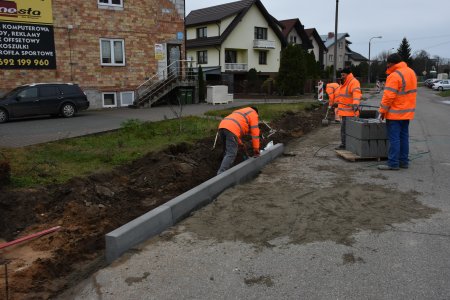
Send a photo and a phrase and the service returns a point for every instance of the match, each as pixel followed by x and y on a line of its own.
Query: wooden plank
pixel 350 156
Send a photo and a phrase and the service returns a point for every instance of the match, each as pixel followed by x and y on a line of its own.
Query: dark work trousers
pixel 343 124
pixel 398 134
pixel 230 149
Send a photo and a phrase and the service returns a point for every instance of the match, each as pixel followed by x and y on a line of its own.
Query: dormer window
pixel 202 32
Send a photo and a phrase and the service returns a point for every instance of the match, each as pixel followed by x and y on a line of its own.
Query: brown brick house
pixel 108 47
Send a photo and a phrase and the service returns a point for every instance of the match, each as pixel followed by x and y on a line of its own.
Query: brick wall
pixel 140 23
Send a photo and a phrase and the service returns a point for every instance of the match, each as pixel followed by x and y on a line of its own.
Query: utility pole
pixel 335 41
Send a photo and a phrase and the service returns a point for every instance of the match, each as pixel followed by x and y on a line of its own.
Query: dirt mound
pixel 88 208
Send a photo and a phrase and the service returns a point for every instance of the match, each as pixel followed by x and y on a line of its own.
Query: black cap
pixel 346 70
pixel 255 109
pixel 394 58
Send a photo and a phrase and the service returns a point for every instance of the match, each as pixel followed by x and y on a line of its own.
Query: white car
pixel 442 85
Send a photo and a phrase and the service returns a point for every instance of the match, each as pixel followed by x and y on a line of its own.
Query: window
pixel 202 57
pixel 111 2
pixel 260 33
pixel 340 58
pixel 330 57
pixel 48 91
pixel 29 93
pixel 109 99
pixel 126 98
pixel 340 45
pixel 202 32
pixel 293 39
pixel 112 52
pixel 263 57
pixel 230 56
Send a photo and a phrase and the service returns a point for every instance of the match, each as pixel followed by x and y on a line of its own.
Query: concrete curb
pixel 168 214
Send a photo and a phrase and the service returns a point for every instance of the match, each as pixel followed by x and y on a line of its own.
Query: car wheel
pixel 440 88
pixel 68 110
pixel 3 115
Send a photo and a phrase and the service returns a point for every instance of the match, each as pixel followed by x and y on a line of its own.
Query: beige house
pixel 230 39
pixel 329 41
pixel 345 56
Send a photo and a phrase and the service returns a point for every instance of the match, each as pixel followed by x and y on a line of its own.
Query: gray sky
pixel 426 24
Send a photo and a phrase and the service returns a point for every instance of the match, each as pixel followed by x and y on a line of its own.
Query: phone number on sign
pixel 24 62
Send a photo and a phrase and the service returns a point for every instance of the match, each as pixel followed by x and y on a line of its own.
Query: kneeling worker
pixel 232 128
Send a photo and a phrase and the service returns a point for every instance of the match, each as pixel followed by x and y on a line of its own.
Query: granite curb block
pixel 157 220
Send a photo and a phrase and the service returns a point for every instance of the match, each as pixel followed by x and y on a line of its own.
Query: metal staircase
pixel 177 74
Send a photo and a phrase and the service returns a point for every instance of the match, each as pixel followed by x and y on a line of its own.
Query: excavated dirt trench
pixel 87 208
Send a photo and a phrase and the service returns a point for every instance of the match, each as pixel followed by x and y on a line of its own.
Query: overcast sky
pixel 426 24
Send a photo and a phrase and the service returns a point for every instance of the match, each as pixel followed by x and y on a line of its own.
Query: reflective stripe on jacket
pixel 349 94
pixel 242 122
pixel 332 89
pixel 400 91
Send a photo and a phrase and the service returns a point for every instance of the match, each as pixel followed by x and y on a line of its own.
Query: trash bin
pixel 185 96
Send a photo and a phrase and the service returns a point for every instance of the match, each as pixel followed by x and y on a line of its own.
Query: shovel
pixel 325 121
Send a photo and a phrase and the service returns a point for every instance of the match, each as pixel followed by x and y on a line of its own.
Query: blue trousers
pixel 230 149
pixel 398 134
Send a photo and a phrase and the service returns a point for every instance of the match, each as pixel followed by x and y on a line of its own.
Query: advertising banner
pixel 26 35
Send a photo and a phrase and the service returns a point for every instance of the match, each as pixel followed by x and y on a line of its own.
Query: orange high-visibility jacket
pixel 349 94
pixel 400 91
pixel 242 122
pixel 332 89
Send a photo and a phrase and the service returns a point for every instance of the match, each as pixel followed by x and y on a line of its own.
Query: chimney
pixel 330 35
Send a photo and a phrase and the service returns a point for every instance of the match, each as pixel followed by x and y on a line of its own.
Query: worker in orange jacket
pixel 398 106
pixel 332 90
pixel 232 128
pixel 347 100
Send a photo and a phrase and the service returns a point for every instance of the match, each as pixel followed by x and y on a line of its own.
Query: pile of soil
pixel 88 208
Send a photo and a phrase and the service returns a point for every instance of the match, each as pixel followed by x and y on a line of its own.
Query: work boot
pixel 404 166
pixel 387 168
pixel 340 147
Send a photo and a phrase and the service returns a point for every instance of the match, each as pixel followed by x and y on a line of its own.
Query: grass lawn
pixel 58 161
pixel 444 93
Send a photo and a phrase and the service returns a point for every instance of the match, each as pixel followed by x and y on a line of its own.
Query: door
pixel 26 103
pixel 173 57
pixel 50 99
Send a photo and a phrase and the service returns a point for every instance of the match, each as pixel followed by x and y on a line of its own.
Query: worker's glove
pixel 381 117
pixel 355 107
pixel 335 105
pixel 256 153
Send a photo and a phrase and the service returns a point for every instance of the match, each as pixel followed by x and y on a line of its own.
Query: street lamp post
pixel 370 40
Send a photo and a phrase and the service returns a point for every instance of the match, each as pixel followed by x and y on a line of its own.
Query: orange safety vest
pixel 349 94
pixel 400 91
pixel 332 90
pixel 242 122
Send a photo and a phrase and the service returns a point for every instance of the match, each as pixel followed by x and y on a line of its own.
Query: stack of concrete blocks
pixel 218 94
pixel 366 137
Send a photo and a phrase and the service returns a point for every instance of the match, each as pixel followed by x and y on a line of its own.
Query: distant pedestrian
pixel 232 128
pixel 347 101
pixel 398 106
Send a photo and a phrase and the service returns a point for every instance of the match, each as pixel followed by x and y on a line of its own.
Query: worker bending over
pixel 332 90
pixel 232 128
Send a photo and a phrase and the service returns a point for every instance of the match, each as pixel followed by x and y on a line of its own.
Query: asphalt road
pixel 30 131
pixel 408 260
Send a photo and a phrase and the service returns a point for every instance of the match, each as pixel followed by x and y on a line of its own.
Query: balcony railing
pixel 235 67
pixel 264 44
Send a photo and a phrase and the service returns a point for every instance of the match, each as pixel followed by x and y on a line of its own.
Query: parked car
pixel 65 99
pixel 442 85
pixel 426 82
pixel 430 84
